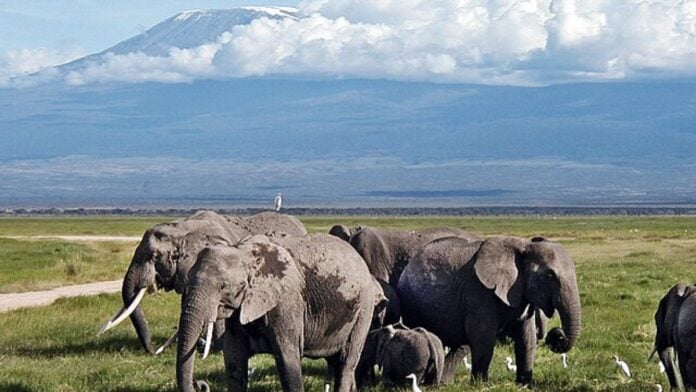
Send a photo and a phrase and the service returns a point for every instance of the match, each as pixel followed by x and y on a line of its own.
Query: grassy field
pixel 624 264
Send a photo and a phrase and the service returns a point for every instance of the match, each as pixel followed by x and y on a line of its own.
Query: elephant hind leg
pixel 346 361
pixel 452 360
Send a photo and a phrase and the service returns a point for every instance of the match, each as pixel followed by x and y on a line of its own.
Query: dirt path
pixel 83 238
pixel 40 298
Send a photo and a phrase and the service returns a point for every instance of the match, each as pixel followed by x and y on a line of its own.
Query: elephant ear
pixel 272 274
pixel 496 268
pixel 436 363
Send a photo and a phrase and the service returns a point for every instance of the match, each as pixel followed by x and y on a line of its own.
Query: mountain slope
pixel 186 30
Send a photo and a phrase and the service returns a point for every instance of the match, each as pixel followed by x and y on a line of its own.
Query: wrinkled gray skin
pixel 167 252
pixel 293 297
pixel 675 339
pixel 465 292
pixel 387 252
pixel 400 352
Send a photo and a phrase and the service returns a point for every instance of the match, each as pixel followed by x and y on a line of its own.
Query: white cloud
pixel 522 42
pixel 19 62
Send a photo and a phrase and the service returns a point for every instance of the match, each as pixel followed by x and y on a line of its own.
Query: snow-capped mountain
pixel 189 29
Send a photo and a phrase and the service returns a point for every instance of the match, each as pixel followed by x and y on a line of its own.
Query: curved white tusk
pixel 124 314
pixel 208 340
pixel 168 342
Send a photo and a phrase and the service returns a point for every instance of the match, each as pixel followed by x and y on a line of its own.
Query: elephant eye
pixel 550 274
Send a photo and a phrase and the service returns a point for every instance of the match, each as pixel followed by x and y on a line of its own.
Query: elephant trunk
pixel 195 313
pixel 569 309
pixel 138 277
pixel 669 360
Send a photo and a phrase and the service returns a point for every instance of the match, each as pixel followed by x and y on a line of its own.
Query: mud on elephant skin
pixel 464 292
pixel 167 251
pixel 293 296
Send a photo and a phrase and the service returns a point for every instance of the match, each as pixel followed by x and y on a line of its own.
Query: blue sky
pixel 91 25
pixel 497 42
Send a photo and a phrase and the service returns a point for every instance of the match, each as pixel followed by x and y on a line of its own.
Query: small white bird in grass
pixel 623 366
pixel 511 367
pixel 564 358
pixel 250 373
pixel 662 366
pixel 659 387
pixel 278 202
pixel 467 365
pixel 327 388
pixel 414 382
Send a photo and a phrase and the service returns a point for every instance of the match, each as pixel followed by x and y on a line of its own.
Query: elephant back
pixel 273 223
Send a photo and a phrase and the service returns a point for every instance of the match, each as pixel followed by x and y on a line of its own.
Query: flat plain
pixel 624 266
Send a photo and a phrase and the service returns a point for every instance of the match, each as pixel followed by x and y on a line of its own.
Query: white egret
pixel 623 366
pixel 414 382
pixel 564 358
pixel 467 365
pixel 327 388
pixel 511 367
pixel 278 202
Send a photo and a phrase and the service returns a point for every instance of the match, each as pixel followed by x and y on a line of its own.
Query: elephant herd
pixel 364 297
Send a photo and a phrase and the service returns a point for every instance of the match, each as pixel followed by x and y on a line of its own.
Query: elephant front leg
pixel 482 337
pixel 289 364
pixel 452 360
pixel 237 353
pixel 525 338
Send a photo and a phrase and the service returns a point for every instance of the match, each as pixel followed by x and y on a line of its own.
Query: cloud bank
pixel 509 42
pixel 18 62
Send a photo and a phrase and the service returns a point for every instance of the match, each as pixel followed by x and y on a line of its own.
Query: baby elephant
pixel 400 352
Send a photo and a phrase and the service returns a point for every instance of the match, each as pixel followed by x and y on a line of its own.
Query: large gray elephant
pixel 167 252
pixel 387 252
pixel 306 296
pixel 675 339
pixel 401 351
pixel 465 292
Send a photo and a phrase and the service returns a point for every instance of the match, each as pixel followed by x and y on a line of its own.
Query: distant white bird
pixel 414 382
pixel 623 366
pixel 278 202
pixel 662 366
pixel 250 372
pixel 659 387
pixel 327 388
pixel 564 358
pixel 467 365
pixel 511 367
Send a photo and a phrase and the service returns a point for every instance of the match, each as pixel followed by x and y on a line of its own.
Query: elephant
pixel 167 251
pixel 466 291
pixel 386 253
pixel 294 297
pixel 401 351
pixel 675 338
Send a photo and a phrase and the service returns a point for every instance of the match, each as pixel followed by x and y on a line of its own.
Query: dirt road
pixel 40 298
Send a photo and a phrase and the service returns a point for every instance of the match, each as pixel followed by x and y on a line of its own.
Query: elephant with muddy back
pixel 167 252
pixel 466 291
pixel 293 297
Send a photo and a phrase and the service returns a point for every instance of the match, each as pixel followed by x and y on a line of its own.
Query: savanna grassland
pixel 624 265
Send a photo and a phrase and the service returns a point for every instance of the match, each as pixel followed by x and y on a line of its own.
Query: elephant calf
pixel 400 352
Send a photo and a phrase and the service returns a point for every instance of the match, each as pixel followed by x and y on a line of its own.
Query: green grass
pixel 622 274
pixel 40 265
